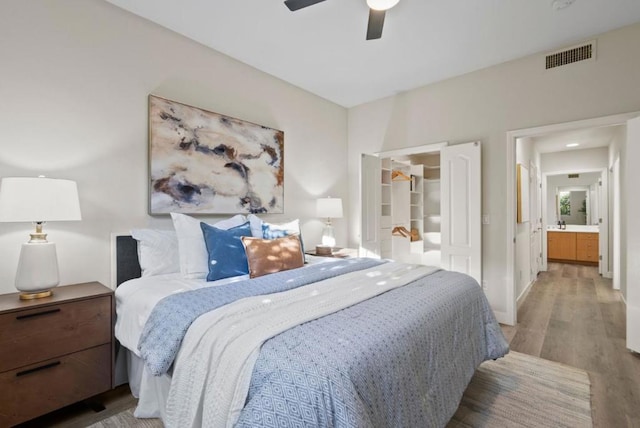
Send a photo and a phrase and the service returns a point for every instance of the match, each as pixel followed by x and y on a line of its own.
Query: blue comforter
pixel 402 359
pixel 171 318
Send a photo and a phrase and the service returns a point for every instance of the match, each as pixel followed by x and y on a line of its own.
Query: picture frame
pixel 201 162
pixel 522 186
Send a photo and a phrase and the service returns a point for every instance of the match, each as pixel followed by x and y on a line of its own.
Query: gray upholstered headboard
pixel 127 265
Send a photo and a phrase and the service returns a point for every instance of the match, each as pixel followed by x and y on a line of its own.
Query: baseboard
pixel 608 275
pixel 521 298
pixel 623 299
pixel 573 262
pixel 502 318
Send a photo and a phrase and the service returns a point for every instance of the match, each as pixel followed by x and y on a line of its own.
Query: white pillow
pixel 194 259
pixel 290 227
pixel 273 230
pixel 157 251
pixel 255 223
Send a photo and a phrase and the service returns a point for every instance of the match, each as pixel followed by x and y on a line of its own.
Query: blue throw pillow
pixel 226 252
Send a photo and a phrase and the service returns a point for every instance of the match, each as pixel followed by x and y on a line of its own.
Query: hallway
pixel 573 316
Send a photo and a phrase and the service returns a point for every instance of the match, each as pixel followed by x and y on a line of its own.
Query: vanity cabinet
pixel 587 247
pixel 573 247
pixel 561 245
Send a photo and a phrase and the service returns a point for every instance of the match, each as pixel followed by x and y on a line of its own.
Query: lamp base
pixel 323 250
pixel 36 295
pixel 328 236
pixel 37 270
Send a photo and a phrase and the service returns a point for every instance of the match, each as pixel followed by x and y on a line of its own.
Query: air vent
pixel 574 175
pixel 582 52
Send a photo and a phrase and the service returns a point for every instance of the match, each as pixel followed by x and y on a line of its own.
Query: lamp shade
pixel 38 199
pixel 329 207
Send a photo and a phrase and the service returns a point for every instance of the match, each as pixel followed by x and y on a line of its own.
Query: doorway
pixel 389 205
pixel 510 315
pixel 579 199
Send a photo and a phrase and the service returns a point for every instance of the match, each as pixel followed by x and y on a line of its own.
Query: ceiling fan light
pixel 381 4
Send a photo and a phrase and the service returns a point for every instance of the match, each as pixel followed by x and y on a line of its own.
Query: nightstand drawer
pixel 46 332
pixel 48 385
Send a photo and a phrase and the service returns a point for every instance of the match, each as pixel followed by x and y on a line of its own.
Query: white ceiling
pixel 588 138
pixel 322 48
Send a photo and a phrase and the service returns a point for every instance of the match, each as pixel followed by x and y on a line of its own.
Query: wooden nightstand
pixel 340 253
pixel 54 351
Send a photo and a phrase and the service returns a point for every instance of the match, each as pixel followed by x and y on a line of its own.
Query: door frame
pixel 365 251
pixel 427 148
pixel 537 219
pixel 603 215
pixel 617 217
pixel 510 315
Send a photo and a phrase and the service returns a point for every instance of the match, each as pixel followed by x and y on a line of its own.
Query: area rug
pixel 524 391
pixel 515 391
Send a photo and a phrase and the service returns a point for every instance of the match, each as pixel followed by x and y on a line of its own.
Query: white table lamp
pixel 329 208
pixel 38 200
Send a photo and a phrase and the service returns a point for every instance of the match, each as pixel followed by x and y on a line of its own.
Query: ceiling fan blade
pixel 299 4
pixel 376 21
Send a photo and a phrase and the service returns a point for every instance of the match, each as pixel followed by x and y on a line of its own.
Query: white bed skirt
pixel 151 391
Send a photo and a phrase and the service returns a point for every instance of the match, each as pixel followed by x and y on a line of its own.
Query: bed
pixel 336 343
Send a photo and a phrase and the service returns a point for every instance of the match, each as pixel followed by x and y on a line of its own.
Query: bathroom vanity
pixel 575 244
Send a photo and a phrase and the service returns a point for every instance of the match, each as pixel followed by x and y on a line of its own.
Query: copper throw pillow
pixel 267 256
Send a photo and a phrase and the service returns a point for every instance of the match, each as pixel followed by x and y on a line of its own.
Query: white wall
pixel 631 228
pixel 484 105
pixel 617 150
pixel 74 82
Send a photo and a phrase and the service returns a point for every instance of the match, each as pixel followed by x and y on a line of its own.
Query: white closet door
pixel 632 178
pixel 461 209
pixel 370 196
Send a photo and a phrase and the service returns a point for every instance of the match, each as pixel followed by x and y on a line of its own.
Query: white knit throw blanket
pixel 212 372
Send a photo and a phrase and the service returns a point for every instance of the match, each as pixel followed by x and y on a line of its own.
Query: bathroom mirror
pixel 573 205
pixel 573 198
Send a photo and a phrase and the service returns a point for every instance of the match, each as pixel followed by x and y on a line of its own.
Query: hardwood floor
pixel 573 316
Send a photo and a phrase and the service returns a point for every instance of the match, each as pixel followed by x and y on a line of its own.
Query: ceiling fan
pixel 377 11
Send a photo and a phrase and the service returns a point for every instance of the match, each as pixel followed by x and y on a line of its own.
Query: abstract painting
pixel 207 163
